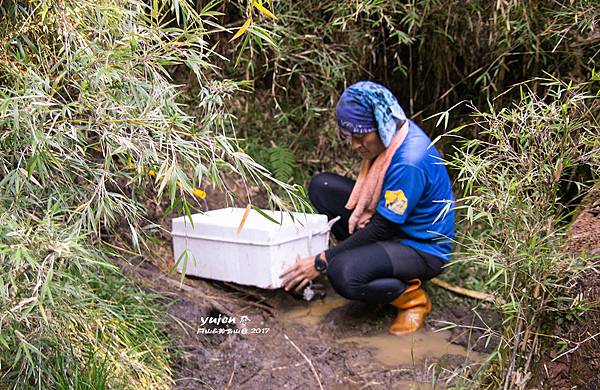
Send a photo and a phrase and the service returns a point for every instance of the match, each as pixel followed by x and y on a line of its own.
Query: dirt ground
pixel 581 367
pixel 279 341
pixel 298 345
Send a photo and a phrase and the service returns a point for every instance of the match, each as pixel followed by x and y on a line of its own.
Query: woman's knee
pixel 342 279
pixel 318 185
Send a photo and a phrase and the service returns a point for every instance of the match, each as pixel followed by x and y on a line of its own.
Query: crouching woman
pixel 396 220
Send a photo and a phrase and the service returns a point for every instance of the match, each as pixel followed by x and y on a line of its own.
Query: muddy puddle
pixel 311 314
pixel 411 349
pixel 400 385
pixel 387 349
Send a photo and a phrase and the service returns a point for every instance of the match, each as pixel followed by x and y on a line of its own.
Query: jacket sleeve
pixel 403 188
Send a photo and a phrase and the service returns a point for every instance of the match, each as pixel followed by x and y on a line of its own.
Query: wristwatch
pixel 320 264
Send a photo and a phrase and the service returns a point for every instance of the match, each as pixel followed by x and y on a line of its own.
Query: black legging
pixel 373 273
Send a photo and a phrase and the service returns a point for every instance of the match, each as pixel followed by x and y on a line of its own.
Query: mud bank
pixel 331 343
pixel 289 343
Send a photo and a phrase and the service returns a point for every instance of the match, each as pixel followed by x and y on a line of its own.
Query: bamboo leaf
pixel 263 10
pixel 244 217
pixel 242 29
pixel 267 216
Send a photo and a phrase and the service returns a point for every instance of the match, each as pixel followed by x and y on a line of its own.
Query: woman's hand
pixel 300 274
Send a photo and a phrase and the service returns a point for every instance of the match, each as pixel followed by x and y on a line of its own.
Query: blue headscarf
pixel 365 107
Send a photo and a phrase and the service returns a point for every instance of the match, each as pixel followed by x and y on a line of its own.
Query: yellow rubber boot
pixel 413 305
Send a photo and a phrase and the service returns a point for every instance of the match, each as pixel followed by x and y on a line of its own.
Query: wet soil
pixel 579 367
pixel 279 341
pixel 333 343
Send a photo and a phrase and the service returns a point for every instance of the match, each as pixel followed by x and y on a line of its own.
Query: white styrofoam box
pixel 257 255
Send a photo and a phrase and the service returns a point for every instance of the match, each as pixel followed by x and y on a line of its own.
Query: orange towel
pixel 367 190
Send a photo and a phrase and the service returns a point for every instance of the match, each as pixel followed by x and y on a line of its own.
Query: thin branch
pixel 467 292
pixel 307 359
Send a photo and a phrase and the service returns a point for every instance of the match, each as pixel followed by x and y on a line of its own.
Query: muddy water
pixel 312 314
pixel 387 349
pixel 410 349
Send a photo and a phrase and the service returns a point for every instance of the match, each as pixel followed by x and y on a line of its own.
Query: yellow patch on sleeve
pixel 396 201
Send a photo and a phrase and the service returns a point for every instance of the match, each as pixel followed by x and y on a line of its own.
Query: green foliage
pixel 431 53
pixel 278 159
pixel 514 177
pixel 90 121
pixel 282 162
pixel 89 107
pixel 69 319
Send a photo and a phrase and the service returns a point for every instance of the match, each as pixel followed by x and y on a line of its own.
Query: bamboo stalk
pixel 466 292
pixel 243 221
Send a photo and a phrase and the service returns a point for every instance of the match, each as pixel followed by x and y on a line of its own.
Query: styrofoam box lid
pixel 222 224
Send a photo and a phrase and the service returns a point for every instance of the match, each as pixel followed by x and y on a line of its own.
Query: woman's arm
pixel 378 229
